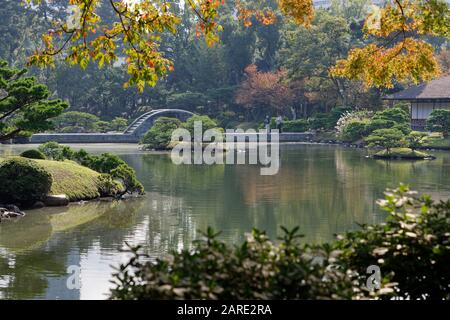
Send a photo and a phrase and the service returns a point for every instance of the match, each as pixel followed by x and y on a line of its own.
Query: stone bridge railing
pixel 138 128
pixel 144 122
pixel 132 134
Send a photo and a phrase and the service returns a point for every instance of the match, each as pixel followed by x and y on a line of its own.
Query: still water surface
pixel 323 189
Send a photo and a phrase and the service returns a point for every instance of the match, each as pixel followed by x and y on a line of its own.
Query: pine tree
pixel 24 104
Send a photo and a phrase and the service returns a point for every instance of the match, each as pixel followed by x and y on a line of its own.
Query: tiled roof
pixel 436 89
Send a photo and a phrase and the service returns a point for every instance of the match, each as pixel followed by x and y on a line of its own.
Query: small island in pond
pixel 55 175
pixel 403 154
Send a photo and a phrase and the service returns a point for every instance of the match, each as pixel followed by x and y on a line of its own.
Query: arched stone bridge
pixel 144 122
pixel 132 134
pixel 137 129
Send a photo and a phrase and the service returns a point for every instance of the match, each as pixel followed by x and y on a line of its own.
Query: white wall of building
pixel 422 110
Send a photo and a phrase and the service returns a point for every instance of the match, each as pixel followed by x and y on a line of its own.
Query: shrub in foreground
pixel 33 154
pixel 412 250
pixel 23 181
pixel 412 247
pixel 258 269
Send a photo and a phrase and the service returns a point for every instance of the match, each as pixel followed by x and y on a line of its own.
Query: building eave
pixel 416 99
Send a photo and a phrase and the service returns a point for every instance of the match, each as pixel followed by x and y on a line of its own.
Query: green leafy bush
pixel 355 130
pixel 23 181
pixel 353 126
pixel 386 138
pixel 377 124
pixel 319 122
pixel 207 123
pixel 159 135
pixel 352 132
pixel 115 173
pixel 416 139
pixel 119 124
pixel 397 115
pixel 33 154
pixel 405 128
pixel 411 249
pixel 112 168
pixel 258 269
pixel 335 114
pixel 439 121
pixel 393 118
pixel 104 163
pixel 55 151
pixel 24 103
pixel 108 187
pixel 273 123
pixel 101 126
pixel 127 176
pixel 299 125
pixel 327 121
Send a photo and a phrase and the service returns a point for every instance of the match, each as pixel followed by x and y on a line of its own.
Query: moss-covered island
pixel 402 154
pixel 55 175
pixel 75 181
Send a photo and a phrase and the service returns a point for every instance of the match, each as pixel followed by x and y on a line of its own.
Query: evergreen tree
pixel 24 104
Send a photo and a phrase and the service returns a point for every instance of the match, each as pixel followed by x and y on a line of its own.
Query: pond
pixel 321 188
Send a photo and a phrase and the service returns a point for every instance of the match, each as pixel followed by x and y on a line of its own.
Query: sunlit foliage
pixel 136 35
pixel 399 53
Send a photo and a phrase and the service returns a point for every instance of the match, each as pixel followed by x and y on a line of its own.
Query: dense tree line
pixel 295 62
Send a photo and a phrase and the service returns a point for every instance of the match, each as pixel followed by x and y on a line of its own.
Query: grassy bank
pixel 72 179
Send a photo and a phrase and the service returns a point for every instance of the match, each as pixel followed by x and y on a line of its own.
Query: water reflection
pixel 323 189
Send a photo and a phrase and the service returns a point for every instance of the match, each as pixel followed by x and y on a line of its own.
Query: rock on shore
pixel 10 212
pixel 56 200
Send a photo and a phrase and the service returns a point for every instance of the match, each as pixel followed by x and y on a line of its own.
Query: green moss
pixel 33 154
pixel 23 181
pixel 72 179
pixel 402 153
